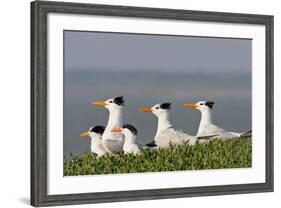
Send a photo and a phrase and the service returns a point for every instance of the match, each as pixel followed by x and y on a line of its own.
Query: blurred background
pixel 149 69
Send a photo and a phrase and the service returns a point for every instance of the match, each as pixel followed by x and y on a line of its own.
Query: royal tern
pixel 166 133
pixel 113 141
pixel 206 126
pixel 130 133
pixel 96 140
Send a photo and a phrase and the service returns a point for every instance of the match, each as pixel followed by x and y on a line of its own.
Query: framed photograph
pixel 131 103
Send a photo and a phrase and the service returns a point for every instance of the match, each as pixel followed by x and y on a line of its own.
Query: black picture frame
pixel 39 12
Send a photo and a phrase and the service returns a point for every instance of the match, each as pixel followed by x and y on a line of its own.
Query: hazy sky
pixel 149 69
pixel 154 53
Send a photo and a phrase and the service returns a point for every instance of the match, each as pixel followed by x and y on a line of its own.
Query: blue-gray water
pixel 230 91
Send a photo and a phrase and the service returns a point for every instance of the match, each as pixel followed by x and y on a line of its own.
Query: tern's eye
pixel 157 107
pixel 110 101
pixel 201 103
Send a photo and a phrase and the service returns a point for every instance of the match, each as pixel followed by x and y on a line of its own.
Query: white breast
pixel 130 148
pixel 113 142
pixel 97 147
pixel 210 129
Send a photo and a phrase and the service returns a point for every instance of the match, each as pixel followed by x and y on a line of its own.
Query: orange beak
pixel 117 130
pixel 146 110
pixel 85 134
pixel 191 105
pixel 100 103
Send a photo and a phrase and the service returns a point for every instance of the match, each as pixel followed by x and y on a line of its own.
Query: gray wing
pixel 211 130
pixel 174 136
pixel 246 134
pixel 102 148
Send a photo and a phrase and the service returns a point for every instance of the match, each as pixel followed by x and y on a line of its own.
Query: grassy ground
pixel 214 155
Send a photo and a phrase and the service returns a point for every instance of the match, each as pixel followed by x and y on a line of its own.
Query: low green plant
pixel 217 154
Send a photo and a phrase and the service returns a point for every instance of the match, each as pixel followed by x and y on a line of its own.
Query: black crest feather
pixel 119 100
pixel 97 129
pixel 210 104
pixel 131 128
pixel 166 106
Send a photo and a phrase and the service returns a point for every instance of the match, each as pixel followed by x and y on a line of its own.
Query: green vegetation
pixel 216 154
